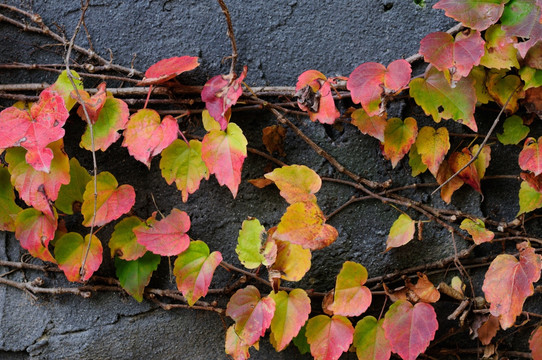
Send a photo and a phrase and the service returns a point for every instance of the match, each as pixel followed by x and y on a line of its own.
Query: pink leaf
pixel 370 81
pixel 314 96
pixel 220 93
pixel 145 136
pixel 329 337
pixel 167 69
pixel 35 129
pixel 35 230
pixel 166 237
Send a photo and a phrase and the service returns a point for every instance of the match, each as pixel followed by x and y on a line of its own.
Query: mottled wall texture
pixel 277 40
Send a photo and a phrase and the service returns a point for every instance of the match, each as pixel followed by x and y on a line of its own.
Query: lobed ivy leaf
pixel 166 237
pixel 194 269
pixel 415 161
pixel 530 158
pixel 503 87
pixel 304 224
pixel 433 145
pixel 529 198
pixel 35 129
pixel 535 343
pixel 134 275
pixel 313 91
pixel 249 244
pixel 401 232
pixel 167 69
pixel 477 229
pixel 7 202
pixel 329 337
pixel 370 340
pixel 470 174
pixel 93 104
pixel 182 163
pixel 500 50
pixel 292 261
pixel 112 201
pixel 113 117
pixel 123 242
pixel 64 87
pixel 522 18
pixel 37 188
pixel 370 125
pixel 351 297
pixel 70 251
pixel 235 346
pixel 442 101
pixel 370 81
pixel 513 131
pixel 220 93
pixel 398 138
pixel 252 314
pixel 508 282
pixel 291 312
pixel 70 195
pixel 297 183
pixel 35 230
pixel 146 136
pixel 476 14
pixel 410 328
pixel 454 56
pixel 444 173
pixel 224 153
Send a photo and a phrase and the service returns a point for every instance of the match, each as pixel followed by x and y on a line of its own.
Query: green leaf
pixel 64 87
pixel 182 163
pixel 194 270
pixel 532 77
pixel 442 101
pixel 135 275
pixel 398 138
pixel 370 341
pixel 529 198
pixel 123 242
pixel 73 192
pixel 415 161
pixel 249 244
pixel 513 131
pixel 291 312
pixel 300 341
pixel 7 202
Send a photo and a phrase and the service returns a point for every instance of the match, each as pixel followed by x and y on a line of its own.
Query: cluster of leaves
pixel 496 59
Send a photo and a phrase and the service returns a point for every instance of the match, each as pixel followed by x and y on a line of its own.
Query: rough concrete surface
pixel 277 40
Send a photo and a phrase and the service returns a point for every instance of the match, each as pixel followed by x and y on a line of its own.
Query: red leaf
pixel 530 158
pixel 508 282
pixel 409 328
pixel 369 81
pixel 220 93
pixel 470 174
pixel 112 201
pixel 35 129
pixel 329 337
pixel 370 125
pixel 535 343
pixel 70 251
pixel 313 91
pixel 35 230
pixel 166 237
pixel 145 136
pixel 167 69
pixel 459 56
pixel 252 313
pixel 93 104
pixel 37 188
pixel 224 153
pixel 476 14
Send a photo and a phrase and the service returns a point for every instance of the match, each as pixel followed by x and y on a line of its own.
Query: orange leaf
pixel 444 173
pixel 432 145
pixel 477 229
pixel 470 174
pixel 370 125
pixel 297 183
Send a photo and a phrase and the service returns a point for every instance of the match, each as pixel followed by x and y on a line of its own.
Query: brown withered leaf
pixel 488 330
pixel 273 139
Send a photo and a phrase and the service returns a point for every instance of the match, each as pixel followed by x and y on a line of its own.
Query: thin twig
pixel 231 36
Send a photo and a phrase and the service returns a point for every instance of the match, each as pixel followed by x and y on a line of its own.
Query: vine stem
pixel 231 36
pixel 84 7
pixel 486 138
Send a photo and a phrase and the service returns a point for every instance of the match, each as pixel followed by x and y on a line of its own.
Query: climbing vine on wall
pixel 493 57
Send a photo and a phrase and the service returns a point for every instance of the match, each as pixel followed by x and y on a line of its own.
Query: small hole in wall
pixel 388 6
